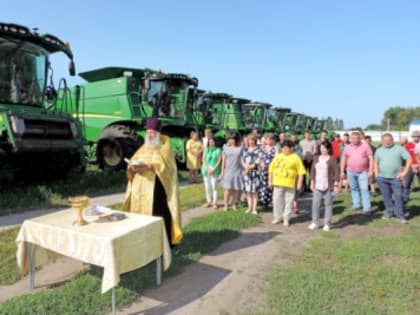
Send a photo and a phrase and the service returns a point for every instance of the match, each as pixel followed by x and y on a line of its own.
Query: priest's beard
pixel 153 143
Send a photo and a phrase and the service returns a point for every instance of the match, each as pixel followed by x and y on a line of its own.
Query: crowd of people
pixel 271 175
pixel 271 171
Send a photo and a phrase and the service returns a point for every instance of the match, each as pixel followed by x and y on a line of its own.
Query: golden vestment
pixel 140 187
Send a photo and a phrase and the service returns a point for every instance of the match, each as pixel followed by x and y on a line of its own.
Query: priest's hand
pixel 142 168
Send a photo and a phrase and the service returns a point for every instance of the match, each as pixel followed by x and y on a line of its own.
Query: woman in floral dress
pixel 267 154
pixel 252 179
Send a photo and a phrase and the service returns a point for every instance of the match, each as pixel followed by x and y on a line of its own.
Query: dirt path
pixel 225 281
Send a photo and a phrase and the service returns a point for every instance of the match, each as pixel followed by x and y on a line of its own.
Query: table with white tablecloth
pixel 117 246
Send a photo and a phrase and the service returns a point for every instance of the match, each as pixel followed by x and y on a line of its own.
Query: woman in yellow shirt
pixel 283 171
pixel 194 151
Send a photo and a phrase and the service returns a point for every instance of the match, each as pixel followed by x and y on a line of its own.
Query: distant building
pixel 414 125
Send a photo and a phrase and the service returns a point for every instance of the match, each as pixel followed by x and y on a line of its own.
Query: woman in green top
pixel 210 171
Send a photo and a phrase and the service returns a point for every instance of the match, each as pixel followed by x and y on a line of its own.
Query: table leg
pixel 113 302
pixel 159 271
pixel 31 248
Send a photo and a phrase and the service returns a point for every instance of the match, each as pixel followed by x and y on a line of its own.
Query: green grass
pixel 194 197
pixel 375 275
pixel 364 275
pixel 82 294
pixel 9 271
pixel 21 196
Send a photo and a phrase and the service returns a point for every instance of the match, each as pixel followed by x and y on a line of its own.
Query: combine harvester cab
pixel 294 122
pixel 115 103
pixel 280 119
pixel 257 117
pixel 233 115
pixel 172 97
pixel 223 113
pixel 36 139
pixel 213 106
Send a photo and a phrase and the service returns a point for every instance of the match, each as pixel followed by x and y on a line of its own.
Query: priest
pixel 152 187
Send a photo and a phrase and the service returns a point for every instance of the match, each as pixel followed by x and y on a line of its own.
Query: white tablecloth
pixel 118 247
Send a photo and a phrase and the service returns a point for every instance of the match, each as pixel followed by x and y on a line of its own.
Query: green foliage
pixel 400 117
pixel 339 124
pixel 329 123
pixel 82 294
pixel 375 127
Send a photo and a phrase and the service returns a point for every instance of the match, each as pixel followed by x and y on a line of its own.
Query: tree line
pixel 399 118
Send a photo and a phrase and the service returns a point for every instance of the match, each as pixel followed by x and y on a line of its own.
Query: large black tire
pixel 116 143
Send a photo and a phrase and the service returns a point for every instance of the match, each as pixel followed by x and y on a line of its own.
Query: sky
pixel 350 60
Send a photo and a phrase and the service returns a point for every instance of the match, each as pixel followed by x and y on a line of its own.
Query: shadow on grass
pixel 173 295
pixel 246 240
pixel 357 218
pixel 199 280
pixel 412 208
pixel 201 277
pixel 305 209
pixel 194 245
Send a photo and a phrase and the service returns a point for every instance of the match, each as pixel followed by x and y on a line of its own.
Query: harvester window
pixel 155 88
pixel 22 73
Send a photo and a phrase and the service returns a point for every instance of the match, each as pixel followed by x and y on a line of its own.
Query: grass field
pixel 21 196
pixel 370 274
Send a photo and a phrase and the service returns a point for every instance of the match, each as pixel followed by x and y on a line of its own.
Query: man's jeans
pixel 407 184
pixel 389 187
pixel 359 184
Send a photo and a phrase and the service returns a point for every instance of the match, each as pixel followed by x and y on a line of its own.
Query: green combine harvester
pixel 115 103
pixel 212 106
pixel 36 138
pixel 293 123
pixel 257 117
pixel 224 113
